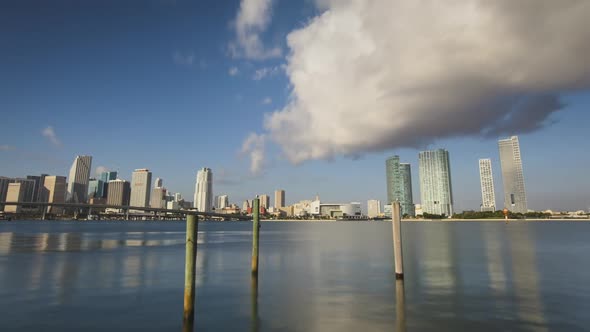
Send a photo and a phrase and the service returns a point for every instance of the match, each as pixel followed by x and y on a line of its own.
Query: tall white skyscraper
pixel 222 202
pixel 512 175
pixel 158 183
pixel 373 208
pixel 488 196
pixel 77 191
pixel 204 190
pixel 141 184
pixel 436 191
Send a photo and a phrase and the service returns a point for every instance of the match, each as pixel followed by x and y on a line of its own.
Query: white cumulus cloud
pixel 49 133
pixel 383 74
pixel 254 147
pixel 266 72
pixel 233 71
pixel 253 19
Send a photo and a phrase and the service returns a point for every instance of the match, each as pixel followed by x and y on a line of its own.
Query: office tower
pixel 38 180
pixel 373 208
pixel 78 180
pixel 279 198
pixel 158 183
pixel 488 196
pixel 158 198
pixel 14 194
pixel 54 191
pixel 95 188
pixel 245 206
pixel 27 188
pixel 105 177
pixel 399 184
pixel 141 182
pixel 222 202
pixel 4 181
pixel 264 201
pixel 436 191
pixel 119 192
pixel 177 197
pixel 204 190
pixel 512 175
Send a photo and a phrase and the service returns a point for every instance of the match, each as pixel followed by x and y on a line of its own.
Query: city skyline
pixel 50 103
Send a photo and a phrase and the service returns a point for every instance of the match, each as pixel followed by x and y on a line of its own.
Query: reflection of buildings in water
pixel 437 271
pixel 525 276
pixel 6 243
pixel 400 307
pixel 495 258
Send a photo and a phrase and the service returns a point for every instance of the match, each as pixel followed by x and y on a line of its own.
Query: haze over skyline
pixel 306 96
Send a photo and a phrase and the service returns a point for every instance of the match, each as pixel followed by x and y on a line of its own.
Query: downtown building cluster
pixel 436 191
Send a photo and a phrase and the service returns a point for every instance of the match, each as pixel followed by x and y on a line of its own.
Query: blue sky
pixel 154 84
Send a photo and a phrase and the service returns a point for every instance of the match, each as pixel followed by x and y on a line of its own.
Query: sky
pixel 308 96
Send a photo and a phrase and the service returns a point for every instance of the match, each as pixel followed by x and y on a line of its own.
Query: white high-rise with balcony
pixel 141 184
pixel 512 175
pixel 77 191
pixel 204 190
pixel 435 182
pixel 488 196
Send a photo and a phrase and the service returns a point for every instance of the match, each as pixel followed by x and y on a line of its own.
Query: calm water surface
pixel 320 276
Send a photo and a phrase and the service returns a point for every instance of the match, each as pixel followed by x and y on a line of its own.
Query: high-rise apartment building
pixel 373 208
pixel 54 191
pixel 279 198
pixel 78 180
pixel 264 201
pixel 436 191
pixel 222 202
pixel 119 192
pixel 158 183
pixel 512 175
pixel 204 190
pixel 141 183
pixel 488 196
pixel 399 184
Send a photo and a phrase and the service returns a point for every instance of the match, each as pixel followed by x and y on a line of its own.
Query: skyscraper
pixel 54 191
pixel 105 177
pixel 158 198
pixel 436 191
pixel 222 202
pixel 488 196
pixel 204 190
pixel 158 183
pixel 119 192
pixel 399 184
pixel 95 188
pixel 141 183
pixel 512 175
pixel 14 194
pixel 373 208
pixel 78 180
pixel 38 185
pixel 264 201
pixel 279 198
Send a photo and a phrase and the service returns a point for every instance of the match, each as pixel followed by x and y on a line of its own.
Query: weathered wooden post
pixel 397 239
pixel 254 303
pixel 192 227
pixel 400 307
pixel 255 233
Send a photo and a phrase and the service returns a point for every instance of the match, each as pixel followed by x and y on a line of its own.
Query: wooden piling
pixel 400 310
pixel 254 323
pixel 255 233
pixel 192 227
pixel 397 240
